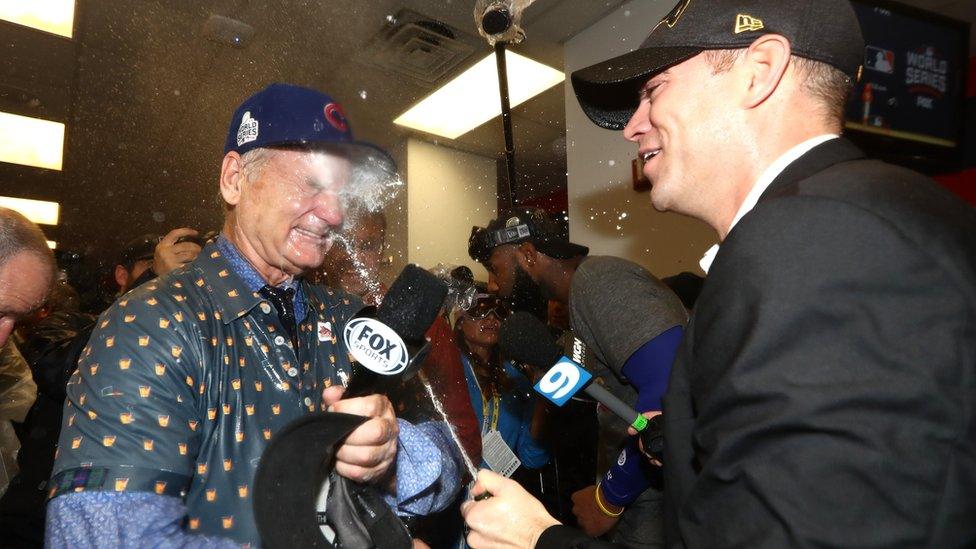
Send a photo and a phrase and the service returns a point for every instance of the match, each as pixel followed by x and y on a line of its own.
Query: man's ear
pixel 121 276
pixel 764 63
pixel 232 178
pixel 528 257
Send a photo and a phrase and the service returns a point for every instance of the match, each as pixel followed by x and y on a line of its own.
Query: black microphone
pixel 388 343
pixel 524 338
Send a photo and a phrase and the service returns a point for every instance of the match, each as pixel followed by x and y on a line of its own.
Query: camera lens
pixel 496 20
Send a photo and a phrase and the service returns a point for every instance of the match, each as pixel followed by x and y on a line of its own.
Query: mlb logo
pixel 879 59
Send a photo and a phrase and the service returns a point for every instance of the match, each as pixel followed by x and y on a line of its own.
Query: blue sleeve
pixel 628 477
pixel 428 468
pixel 121 519
pixel 532 454
pixel 649 368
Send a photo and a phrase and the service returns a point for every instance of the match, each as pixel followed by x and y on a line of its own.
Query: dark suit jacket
pixel 825 394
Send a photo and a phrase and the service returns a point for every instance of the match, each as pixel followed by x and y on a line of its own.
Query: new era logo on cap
pixel 746 23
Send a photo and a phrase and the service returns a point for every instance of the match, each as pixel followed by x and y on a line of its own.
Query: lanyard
pixel 494 409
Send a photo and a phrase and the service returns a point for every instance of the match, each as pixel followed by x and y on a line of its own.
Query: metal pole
pixel 508 198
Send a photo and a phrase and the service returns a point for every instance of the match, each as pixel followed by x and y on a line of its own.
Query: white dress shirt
pixel 761 184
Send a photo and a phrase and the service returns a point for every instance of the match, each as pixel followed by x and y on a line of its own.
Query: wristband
pixel 603 509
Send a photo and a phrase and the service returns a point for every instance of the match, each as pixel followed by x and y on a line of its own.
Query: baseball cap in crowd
pixel 822 30
pixel 285 114
pixel 139 248
pixel 524 225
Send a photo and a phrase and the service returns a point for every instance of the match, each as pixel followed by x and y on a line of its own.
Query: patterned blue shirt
pixel 182 385
pixel 252 279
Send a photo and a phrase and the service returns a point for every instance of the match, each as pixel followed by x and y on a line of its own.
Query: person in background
pixel 502 398
pixel 27 271
pixel 354 262
pixel 573 430
pixel 149 256
pixel 52 340
pixel 632 322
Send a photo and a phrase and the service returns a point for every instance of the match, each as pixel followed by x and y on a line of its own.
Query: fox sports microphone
pixel 388 342
pixel 524 338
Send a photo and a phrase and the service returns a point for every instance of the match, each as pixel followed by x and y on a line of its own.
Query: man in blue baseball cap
pixel 187 378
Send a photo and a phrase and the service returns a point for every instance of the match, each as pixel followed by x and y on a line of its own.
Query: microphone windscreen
pixel 524 338
pixel 412 303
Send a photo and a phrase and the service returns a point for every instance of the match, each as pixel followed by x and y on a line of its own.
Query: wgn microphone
pixel 524 338
pixel 388 342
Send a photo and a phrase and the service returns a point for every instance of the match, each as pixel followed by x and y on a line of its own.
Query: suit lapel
pixel 816 160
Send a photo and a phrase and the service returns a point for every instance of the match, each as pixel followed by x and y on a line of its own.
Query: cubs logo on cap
pixel 335 116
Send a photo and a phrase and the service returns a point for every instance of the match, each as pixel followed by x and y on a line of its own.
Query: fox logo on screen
pixel 376 346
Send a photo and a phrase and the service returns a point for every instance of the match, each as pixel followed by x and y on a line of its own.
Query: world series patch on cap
pixel 822 30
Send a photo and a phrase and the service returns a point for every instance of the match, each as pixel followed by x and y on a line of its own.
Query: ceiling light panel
pixel 54 16
pixel 38 211
pixel 31 141
pixel 471 98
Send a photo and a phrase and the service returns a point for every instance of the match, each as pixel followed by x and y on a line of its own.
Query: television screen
pixel 910 100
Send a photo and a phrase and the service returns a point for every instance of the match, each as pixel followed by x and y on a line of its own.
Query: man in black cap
pixel 186 379
pixel 823 395
pixel 511 245
pixel 631 355
pixel 148 256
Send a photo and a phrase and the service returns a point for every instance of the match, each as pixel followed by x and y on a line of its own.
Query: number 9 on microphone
pixel 562 381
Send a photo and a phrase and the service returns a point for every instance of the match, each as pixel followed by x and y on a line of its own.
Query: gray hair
pixel 253 162
pixel 19 235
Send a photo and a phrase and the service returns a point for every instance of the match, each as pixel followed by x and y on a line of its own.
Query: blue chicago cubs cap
pixel 285 114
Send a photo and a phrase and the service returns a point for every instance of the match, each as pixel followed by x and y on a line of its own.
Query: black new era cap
pixel 523 225
pixel 822 30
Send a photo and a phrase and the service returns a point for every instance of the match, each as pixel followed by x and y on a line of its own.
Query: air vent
pixel 419 47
